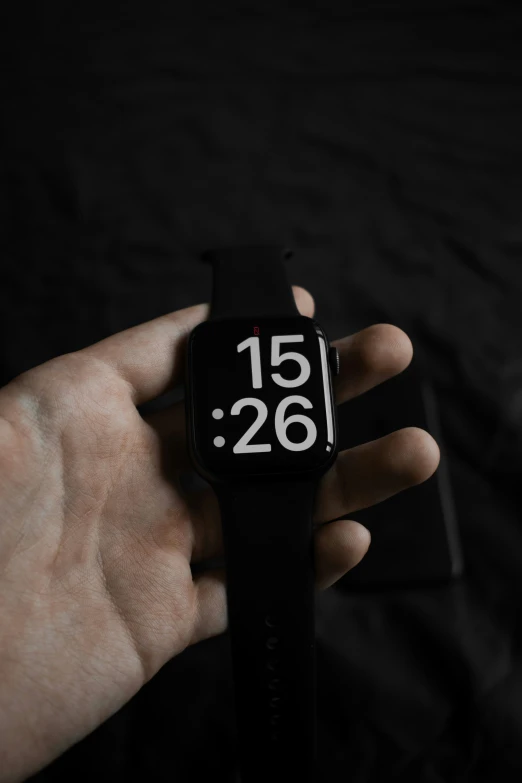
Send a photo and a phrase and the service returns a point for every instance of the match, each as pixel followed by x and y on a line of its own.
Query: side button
pixel 335 361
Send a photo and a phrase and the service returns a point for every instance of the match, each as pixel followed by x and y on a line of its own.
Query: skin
pixel 97 537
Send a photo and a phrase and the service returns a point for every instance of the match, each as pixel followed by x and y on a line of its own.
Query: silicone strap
pixel 269 558
pixel 250 281
pixel 268 542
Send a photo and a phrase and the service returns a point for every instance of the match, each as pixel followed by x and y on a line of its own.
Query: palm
pixel 110 528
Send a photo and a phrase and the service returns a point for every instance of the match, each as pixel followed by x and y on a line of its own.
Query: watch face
pixel 260 397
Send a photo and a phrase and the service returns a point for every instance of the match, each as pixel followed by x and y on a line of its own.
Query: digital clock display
pixel 260 396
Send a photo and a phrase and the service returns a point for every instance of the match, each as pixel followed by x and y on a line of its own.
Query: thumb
pixel 150 356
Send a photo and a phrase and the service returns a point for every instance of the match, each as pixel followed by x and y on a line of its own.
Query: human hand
pixel 97 535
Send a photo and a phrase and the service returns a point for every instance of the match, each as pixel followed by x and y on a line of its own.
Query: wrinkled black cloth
pixel 383 142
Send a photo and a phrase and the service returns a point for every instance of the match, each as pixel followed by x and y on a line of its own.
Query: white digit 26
pixel 243 446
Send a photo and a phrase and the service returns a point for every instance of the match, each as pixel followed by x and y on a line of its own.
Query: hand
pixel 97 536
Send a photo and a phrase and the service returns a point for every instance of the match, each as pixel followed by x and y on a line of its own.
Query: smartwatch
pixel 262 430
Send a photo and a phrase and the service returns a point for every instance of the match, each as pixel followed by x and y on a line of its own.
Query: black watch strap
pixel 250 280
pixel 269 558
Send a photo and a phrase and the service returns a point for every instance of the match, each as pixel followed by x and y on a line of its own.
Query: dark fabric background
pixel 381 141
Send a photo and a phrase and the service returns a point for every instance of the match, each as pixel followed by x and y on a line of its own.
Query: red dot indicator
pixel 256 329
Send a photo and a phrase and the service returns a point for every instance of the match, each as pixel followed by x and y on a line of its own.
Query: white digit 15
pixel 276 359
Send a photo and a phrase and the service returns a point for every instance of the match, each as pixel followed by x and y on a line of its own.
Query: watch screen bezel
pixel 218 476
